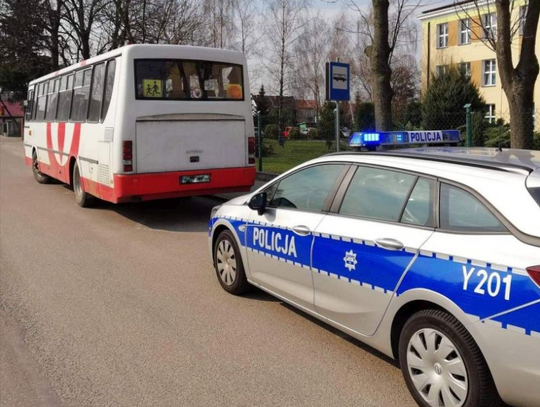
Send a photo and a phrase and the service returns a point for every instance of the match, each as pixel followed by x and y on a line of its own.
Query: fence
pixel 277 154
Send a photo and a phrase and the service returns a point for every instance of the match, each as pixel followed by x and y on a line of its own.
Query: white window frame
pixel 490 24
pixel 440 69
pixel 465 31
pixel 467 66
pixel 490 114
pixel 489 72
pixel 442 35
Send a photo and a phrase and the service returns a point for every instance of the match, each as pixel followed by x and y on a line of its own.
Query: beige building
pixel 454 34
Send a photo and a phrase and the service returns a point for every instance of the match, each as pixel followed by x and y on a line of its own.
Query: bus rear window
pixel 175 79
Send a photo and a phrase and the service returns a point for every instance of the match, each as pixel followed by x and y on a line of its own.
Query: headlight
pixel 214 211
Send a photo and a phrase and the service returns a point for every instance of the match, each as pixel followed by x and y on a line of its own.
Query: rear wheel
pixel 228 264
pixel 442 365
pixel 83 199
pixel 40 177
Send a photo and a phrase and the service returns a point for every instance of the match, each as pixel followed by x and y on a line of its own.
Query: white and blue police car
pixel 431 256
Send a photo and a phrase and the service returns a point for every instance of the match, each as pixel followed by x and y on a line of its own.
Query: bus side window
pixel 81 94
pixel 42 101
pixel 64 107
pixel 109 84
pixel 96 94
pixel 52 100
pixel 30 105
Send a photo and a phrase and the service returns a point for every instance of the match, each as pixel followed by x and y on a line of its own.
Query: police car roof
pixel 510 160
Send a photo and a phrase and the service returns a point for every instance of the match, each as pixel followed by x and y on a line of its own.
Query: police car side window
pixel 377 193
pixel 460 211
pixel 419 209
pixel 306 189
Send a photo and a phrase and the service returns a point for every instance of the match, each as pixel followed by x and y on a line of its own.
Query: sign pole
pixel 337 126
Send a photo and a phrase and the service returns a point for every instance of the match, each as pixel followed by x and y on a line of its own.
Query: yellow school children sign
pixel 152 88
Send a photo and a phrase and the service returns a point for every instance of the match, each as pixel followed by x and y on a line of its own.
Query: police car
pixel 431 256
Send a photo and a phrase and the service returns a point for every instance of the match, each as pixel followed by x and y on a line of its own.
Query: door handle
pixel 301 230
pixel 389 244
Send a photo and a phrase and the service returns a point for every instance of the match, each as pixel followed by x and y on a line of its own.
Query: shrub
pixel 444 101
pixel 365 117
pixel 294 134
pixel 313 134
pixel 267 150
pixel 271 131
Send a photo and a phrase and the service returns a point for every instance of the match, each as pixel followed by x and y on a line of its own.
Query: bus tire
pixel 39 176
pixel 84 199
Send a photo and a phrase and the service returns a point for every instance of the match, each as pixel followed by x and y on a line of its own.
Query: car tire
pixel 39 176
pixel 83 199
pixel 228 264
pixel 442 364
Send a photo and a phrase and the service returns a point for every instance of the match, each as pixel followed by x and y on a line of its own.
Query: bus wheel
pixel 83 199
pixel 40 177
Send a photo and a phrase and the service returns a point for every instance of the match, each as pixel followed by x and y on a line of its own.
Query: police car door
pixel 279 240
pixel 378 222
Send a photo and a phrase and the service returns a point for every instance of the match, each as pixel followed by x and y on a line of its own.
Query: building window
pixel 490 73
pixel 490 25
pixel 465 67
pixel 442 35
pixel 465 31
pixel 441 70
pixel 522 18
pixel 490 114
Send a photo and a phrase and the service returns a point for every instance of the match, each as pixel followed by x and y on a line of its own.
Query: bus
pixel 144 122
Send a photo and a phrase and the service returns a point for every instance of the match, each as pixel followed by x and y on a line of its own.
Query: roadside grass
pixel 294 152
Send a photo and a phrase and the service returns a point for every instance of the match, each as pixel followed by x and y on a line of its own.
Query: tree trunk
pixel 380 66
pixel 520 100
pixel 518 83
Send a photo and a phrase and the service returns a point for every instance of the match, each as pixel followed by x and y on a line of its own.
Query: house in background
pixel 306 111
pixel 11 118
pixel 453 34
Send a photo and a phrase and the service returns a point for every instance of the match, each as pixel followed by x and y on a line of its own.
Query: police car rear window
pixel 535 192
pixel 460 211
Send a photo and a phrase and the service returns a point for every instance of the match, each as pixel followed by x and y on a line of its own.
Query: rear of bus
pixel 184 122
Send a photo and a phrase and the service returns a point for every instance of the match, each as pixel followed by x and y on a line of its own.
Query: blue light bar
pixel 395 138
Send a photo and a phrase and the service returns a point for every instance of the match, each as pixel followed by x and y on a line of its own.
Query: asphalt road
pixel 119 306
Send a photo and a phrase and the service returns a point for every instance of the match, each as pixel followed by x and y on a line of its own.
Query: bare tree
pixel 283 21
pixel 219 14
pixel 387 25
pixel 310 53
pixel 81 17
pixel 246 13
pixel 517 80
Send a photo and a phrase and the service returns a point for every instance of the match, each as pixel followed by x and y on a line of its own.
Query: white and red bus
pixel 144 122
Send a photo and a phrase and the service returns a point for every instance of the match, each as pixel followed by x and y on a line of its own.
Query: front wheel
pixel 39 176
pixel 228 264
pixel 442 365
pixel 83 199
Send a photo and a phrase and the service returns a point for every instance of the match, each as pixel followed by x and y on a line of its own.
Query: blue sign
pixel 389 138
pixel 338 81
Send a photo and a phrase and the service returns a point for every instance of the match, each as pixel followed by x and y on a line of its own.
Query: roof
pixel 306 104
pixel 451 5
pixel 509 160
pixel 15 109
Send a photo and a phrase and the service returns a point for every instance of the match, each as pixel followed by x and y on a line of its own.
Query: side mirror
pixel 258 203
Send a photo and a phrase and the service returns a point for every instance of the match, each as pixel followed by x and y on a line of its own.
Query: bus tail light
pixel 534 273
pixel 127 155
pixel 251 149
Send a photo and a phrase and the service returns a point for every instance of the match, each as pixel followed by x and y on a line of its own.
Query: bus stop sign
pixel 338 81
